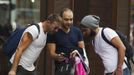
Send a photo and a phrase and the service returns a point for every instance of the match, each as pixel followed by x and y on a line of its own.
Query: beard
pixel 88 35
pixel 92 33
pixel 67 26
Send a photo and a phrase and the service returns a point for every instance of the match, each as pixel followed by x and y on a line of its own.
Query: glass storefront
pixel 25 12
pixel 19 12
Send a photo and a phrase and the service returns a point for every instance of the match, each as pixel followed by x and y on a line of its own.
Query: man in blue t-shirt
pixel 66 41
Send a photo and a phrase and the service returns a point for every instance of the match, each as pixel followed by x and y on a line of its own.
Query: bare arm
pixel 52 48
pixel 121 51
pixel 24 43
pixel 82 45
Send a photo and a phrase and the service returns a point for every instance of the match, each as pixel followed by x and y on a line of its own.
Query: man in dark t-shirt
pixel 66 41
pixel 63 43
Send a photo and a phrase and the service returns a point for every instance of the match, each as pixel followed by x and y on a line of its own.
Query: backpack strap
pixel 105 39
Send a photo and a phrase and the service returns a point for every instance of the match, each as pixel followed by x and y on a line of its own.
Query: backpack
pixel 129 52
pixel 12 42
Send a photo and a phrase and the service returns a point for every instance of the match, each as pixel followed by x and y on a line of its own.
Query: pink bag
pixel 79 68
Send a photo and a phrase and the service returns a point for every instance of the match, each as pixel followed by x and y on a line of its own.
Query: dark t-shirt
pixel 66 42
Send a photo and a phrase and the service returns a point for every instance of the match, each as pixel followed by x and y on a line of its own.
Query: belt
pixel 109 73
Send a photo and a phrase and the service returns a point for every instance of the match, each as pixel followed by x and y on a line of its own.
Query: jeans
pixel 22 71
pixel 126 71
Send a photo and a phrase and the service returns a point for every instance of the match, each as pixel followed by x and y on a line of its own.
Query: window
pixel 25 12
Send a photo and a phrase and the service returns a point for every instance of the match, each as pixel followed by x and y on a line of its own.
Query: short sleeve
pixel 80 36
pixel 110 33
pixel 50 38
pixel 33 30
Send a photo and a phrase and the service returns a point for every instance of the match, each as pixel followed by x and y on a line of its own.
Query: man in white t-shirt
pixel 31 45
pixel 113 59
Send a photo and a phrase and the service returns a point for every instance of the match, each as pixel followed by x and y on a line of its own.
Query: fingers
pixel 61 57
pixel 113 73
pixel 12 73
pixel 118 72
pixel 62 53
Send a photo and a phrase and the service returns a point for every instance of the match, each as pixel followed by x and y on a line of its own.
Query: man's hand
pixel 61 57
pixel 118 71
pixel 12 73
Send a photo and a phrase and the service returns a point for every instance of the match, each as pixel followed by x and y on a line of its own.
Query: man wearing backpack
pixel 112 58
pixel 31 45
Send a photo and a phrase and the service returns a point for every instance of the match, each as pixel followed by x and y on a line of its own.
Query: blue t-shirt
pixel 66 42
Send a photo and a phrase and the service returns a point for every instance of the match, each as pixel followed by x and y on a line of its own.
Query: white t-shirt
pixel 33 51
pixel 107 52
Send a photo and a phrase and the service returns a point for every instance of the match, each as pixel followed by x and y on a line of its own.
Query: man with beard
pixel 64 43
pixel 31 44
pixel 113 58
